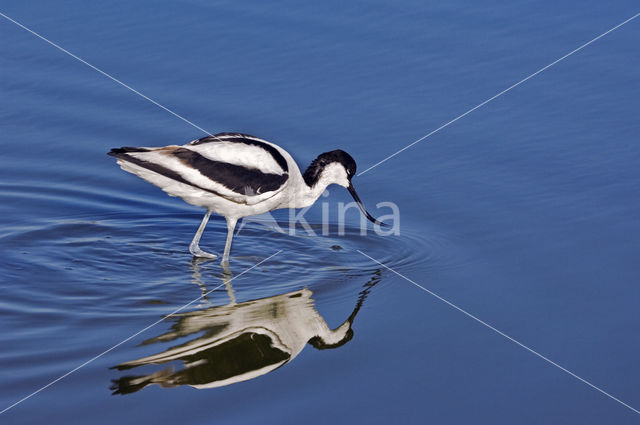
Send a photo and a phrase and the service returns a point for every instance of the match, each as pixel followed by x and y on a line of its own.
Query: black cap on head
pixel 312 174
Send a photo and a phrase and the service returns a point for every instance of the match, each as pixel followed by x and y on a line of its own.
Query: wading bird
pixel 236 175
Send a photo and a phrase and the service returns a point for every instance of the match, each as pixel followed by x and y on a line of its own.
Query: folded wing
pixel 238 167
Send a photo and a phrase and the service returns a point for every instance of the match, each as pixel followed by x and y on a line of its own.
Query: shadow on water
pixel 239 341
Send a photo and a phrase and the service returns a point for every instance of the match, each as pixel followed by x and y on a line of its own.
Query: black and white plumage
pixel 237 175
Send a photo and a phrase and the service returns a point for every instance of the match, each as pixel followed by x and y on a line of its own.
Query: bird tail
pixel 119 152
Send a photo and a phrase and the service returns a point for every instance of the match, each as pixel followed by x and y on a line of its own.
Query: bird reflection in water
pixel 239 341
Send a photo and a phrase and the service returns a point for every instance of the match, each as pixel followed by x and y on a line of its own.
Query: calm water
pixel 525 213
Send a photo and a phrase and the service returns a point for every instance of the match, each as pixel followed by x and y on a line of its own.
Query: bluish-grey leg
pixel 194 248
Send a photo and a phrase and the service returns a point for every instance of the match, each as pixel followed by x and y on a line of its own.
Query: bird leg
pixel 231 224
pixel 194 248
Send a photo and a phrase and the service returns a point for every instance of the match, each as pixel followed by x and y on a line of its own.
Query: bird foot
pixel 197 252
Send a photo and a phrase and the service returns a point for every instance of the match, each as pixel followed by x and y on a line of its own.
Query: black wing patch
pixel 247 140
pixel 246 181
pixel 121 153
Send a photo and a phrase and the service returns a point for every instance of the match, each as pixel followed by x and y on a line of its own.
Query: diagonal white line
pixel 105 74
pixel 500 94
pixel 501 333
pixel 132 336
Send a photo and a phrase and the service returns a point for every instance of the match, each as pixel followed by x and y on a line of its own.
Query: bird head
pixel 336 167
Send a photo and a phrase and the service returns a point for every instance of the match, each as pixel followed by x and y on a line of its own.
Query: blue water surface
pixel 524 214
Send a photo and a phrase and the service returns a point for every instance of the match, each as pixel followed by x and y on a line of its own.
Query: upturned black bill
pixel 353 193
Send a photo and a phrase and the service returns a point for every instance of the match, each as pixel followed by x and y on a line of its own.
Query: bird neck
pixel 306 195
pixel 311 185
pixel 315 180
